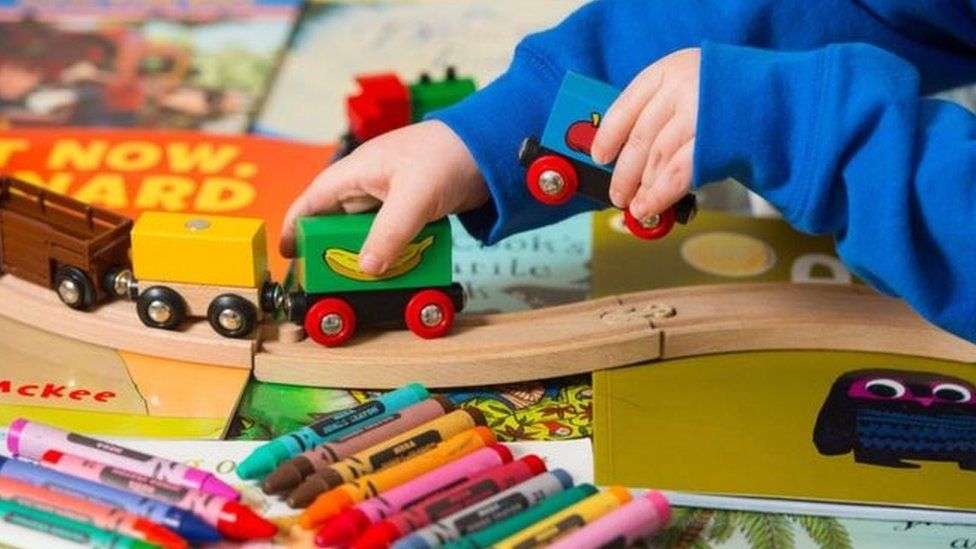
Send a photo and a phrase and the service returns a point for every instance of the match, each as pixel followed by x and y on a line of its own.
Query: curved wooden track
pixel 490 349
pixel 116 325
pixel 617 331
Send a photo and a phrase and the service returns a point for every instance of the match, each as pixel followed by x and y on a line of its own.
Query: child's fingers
pixel 622 115
pixel 324 195
pixel 637 152
pixel 672 183
pixel 668 140
pixel 400 219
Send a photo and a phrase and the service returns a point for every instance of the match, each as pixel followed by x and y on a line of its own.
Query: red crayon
pixel 345 528
pixel 231 519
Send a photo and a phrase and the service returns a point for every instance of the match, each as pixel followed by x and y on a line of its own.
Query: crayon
pixel 491 511
pixel 447 502
pixel 547 507
pixel 30 440
pixel 291 473
pixel 16 518
pixel 266 457
pixel 346 527
pixel 231 519
pixel 568 520
pixel 112 519
pixel 623 527
pixel 339 499
pixel 182 522
pixel 385 454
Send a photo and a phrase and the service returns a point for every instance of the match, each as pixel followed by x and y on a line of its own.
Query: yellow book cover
pixel 829 426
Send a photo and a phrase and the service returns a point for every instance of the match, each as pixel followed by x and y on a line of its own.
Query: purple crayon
pixel 622 527
pixel 31 440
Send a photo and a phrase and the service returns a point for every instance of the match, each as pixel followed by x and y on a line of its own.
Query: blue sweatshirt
pixel 816 106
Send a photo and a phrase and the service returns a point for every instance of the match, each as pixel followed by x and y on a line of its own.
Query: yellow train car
pixel 192 265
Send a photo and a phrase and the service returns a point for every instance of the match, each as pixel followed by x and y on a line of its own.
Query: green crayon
pixel 268 456
pixel 512 525
pixel 15 518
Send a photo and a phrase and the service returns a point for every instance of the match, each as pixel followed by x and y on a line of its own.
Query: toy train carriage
pixel 80 251
pixel 336 297
pixel 214 267
pixel 560 166
pixel 384 103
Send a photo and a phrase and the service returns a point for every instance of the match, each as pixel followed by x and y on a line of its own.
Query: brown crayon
pixel 380 456
pixel 291 473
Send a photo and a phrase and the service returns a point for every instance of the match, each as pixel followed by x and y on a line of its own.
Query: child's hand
pixel 420 173
pixel 650 130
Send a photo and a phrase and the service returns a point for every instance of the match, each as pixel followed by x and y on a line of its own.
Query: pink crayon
pixel 30 440
pixel 350 523
pixel 231 519
pixel 622 527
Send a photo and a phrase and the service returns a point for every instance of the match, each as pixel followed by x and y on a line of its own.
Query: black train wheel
pixel 232 316
pixel 161 307
pixel 74 288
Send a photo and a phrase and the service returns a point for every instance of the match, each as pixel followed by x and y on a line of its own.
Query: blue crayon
pixel 182 522
pixel 266 457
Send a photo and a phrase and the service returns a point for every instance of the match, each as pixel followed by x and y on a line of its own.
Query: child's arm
pixel 841 142
pixel 613 40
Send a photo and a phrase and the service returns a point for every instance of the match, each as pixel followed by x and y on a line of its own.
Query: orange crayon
pixel 345 496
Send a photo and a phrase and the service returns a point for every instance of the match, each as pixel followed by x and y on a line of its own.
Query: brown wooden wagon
pixel 80 251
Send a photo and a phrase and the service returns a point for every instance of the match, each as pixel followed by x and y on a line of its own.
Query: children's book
pixel 160 64
pixel 838 427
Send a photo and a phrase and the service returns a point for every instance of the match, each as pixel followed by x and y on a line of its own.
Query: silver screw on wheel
pixel 160 312
pixel 431 315
pixel 69 292
pixel 230 320
pixel 551 182
pixel 652 221
pixel 331 324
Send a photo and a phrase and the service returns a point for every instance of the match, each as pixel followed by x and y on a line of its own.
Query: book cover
pixel 827 426
pixel 161 64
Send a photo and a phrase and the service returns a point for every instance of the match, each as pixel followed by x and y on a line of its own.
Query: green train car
pixel 335 297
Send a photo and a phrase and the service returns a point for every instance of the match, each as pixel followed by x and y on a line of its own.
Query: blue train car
pixel 560 167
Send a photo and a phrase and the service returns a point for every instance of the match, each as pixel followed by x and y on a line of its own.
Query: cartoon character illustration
pixel 887 416
pixel 559 165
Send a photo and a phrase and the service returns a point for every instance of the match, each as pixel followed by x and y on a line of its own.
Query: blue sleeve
pixel 613 40
pixel 842 143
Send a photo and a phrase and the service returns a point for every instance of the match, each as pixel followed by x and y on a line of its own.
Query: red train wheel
pixel 657 228
pixel 429 314
pixel 552 180
pixel 330 322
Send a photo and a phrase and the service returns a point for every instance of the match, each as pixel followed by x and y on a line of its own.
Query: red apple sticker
pixel 579 136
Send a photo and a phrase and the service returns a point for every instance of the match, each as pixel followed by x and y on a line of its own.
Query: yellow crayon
pixel 569 519
pixel 385 454
pixel 339 499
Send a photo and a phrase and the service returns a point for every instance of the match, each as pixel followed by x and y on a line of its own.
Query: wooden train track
pixel 117 326
pixel 490 349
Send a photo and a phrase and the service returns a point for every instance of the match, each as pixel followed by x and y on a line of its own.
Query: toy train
pixel 384 103
pixel 560 166
pixel 214 267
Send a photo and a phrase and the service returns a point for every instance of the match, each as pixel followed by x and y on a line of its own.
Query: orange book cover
pixel 132 171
